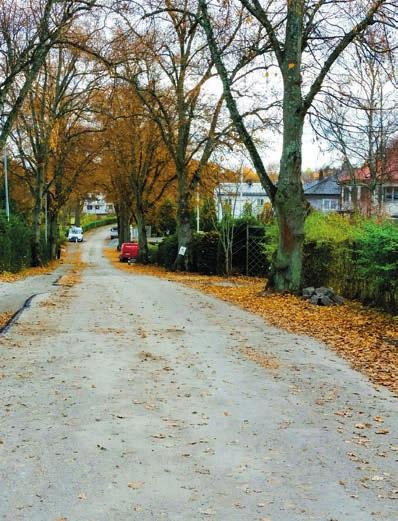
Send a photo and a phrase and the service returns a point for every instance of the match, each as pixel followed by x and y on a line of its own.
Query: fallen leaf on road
pixel 356 333
pixel 135 484
pixel 159 436
pixel 82 496
pixel 382 431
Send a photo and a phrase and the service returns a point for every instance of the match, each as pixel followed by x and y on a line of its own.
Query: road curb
pixel 17 314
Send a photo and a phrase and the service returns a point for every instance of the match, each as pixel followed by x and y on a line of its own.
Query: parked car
pixel 114 232
pixel 75 234
pixel 129 252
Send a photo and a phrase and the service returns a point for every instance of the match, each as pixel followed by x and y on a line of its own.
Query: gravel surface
pixel 14 294
pixel 130 398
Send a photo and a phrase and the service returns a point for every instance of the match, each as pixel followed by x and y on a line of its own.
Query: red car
pixel 129 252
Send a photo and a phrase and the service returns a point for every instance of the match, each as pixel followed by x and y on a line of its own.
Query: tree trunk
pixel 290 204
pixel 78 211
pixel 124 218
pixel 184 230
pixel 53 234
pixel 291 209
pixel 37 259
pixel 142 238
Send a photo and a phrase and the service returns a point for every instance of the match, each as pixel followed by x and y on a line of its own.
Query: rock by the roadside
pixel 322 296
pixel 308 292
pixel 324 300
pixel 325 291
pixel 339 300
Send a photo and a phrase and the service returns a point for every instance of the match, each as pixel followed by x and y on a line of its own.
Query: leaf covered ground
pixel 368 339
pixel 6 276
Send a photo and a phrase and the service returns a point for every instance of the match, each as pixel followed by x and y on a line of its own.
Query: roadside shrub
pixel 167 252
pixel 377 262
pixel 358 258
pixel 153 253
pixel 98 223
pixel 15 244
pixel 206 252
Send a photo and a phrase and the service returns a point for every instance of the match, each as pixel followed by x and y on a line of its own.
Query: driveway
pixel 129 397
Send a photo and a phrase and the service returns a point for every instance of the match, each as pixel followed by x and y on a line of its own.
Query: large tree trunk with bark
pixel 78 212
pixel 53 234
pixel 184 230
pixel 290 204
pixel 37 259
pixel 142 238
pixel 124 218
pixel 290 208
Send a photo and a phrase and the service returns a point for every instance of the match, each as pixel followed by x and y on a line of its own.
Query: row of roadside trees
pixel 135 100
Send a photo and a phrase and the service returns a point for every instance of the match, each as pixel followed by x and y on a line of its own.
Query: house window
pixel 97 207
pixel 390 194
pixel 89 207
pixel 260 202
pixel 346 194
pixel 329 204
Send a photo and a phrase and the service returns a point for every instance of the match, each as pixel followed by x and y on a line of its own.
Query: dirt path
pixel 127 397
pixel 14 294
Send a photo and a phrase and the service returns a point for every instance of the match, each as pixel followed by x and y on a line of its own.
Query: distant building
pixel 324 194
pixel 373 195
pixel 238 196
pixel 97 205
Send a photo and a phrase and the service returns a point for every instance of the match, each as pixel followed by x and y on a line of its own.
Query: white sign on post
pixel 182 250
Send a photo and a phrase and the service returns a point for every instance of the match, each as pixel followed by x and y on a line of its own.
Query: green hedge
pixel 167 252
pixel 15 244
pixel 100 222
pixel 357 258
pixel 206 253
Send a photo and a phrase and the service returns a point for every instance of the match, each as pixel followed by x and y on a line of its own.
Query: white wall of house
pixel 238 195
pixel 97 206
pixel 324 204
pixel 389 198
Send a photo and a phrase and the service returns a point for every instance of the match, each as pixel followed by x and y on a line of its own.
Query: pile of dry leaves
pixel 6 276
pixel 4 318
pixel 368 339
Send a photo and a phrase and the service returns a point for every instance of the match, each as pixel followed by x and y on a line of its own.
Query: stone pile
pixel 322 296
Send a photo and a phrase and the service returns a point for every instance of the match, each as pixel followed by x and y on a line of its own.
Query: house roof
pixel 244 189
pixel 326 186
pixel 388 171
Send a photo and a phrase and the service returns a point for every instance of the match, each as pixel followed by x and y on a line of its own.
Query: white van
pixel 75 234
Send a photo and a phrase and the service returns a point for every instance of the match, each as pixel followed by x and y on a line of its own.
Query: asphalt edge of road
pixel 6 327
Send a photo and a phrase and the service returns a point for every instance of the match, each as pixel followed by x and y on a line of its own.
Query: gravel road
pixel 14 294
pixel 130 398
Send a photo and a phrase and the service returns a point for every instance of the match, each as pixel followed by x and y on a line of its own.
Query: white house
pixel 96 204
pixel 238 195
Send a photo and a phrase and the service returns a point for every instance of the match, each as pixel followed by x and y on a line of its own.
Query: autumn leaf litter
pixel 366 338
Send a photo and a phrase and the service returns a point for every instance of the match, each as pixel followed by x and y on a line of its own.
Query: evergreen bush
pixel 167 252
pixel 15 244
pixel 206 253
